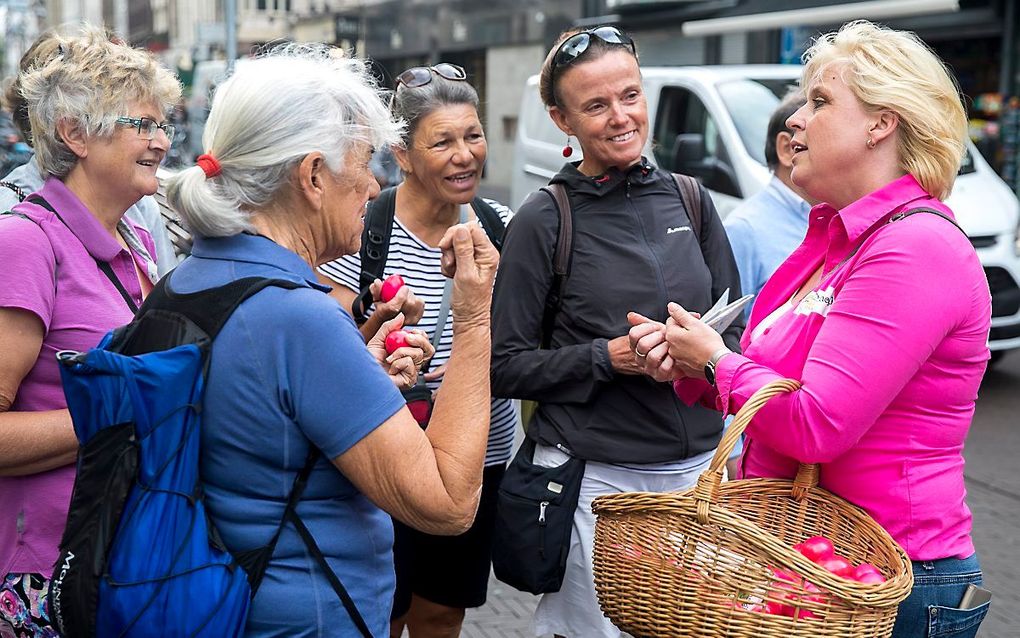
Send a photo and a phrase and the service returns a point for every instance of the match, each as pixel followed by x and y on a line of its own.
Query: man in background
pixel 764 229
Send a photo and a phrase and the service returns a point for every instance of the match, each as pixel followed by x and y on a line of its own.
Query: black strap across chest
pixel 103 266
pixel 895 218
pixel 375 242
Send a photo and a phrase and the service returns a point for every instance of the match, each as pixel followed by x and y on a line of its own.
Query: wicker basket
pixel 699 563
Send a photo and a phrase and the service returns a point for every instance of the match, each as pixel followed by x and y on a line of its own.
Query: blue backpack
pixel 139 556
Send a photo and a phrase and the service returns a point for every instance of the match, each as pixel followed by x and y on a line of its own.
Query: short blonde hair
pixel 89 81
pixel 895 71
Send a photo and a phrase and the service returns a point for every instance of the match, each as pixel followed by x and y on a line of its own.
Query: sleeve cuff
pixel 725 370
pixel 602 366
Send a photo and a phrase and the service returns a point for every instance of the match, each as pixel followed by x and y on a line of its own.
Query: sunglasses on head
pixel 422 75
pixel 575 46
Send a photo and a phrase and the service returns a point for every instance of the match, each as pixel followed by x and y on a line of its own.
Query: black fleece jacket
pixel 633 249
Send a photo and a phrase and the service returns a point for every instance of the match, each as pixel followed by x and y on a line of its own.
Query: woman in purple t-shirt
pixel 97 111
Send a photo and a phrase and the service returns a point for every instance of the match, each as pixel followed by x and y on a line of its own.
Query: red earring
pixel 568 150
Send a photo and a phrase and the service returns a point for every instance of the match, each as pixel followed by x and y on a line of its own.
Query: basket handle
pixel 707 488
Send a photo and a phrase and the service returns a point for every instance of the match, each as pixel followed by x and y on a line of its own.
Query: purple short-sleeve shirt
pixel 50 270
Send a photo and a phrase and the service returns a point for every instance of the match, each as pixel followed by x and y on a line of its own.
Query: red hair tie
pixel 209 165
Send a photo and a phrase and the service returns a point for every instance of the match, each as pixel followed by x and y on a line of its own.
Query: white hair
pixel 271 113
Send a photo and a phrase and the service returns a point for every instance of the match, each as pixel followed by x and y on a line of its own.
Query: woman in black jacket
pixel 634 248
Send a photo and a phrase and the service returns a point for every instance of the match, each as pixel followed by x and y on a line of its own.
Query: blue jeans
pixel 932 608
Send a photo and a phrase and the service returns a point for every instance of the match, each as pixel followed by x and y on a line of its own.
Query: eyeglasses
pixel 147 127
pixel 574 47
pixel 422 75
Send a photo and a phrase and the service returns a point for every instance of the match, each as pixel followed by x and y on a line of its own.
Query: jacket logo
pixel 678 229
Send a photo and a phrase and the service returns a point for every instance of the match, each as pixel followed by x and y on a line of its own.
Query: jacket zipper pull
pixel 541 512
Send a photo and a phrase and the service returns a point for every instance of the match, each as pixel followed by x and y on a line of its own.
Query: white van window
pixel 750 104
pixel 687 141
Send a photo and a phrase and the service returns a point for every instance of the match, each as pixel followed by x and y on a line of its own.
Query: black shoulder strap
pixel 690 193
pixel 895 218
pixel 492 223
pixel 211 308
pixel 375 246
pixel 255 562
pixel 104 266
pixel 561 258
pixel 17 190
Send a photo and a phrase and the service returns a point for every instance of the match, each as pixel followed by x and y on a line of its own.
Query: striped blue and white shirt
pixel 419 265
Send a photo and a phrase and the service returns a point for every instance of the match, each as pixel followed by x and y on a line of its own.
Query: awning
pixel 831 14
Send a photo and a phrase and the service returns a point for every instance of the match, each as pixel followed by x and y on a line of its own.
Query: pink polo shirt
pixel 890 349
pixel 50 269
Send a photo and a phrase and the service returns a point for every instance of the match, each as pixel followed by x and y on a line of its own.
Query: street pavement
pixel 993 486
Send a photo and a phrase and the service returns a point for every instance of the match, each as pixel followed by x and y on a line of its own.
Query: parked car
pixel 710 122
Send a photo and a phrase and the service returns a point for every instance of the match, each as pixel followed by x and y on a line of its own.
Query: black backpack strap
pixel 334 580
pixel 256 561
pixel 690 193
pixel 209 309
pixel 17 190
pixel 375 246
pixel 492 223
pixel 895 218
pixel 103 266
pixel 561 258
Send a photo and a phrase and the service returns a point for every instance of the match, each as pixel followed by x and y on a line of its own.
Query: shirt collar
pixel 83 224
pixel 840 230
pixel 257 249
pixel 599 185
pixel 862 214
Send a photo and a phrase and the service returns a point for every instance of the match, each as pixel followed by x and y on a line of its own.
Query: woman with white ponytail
pixel 281 189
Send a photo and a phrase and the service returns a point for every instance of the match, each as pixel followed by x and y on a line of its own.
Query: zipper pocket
pixel 541 527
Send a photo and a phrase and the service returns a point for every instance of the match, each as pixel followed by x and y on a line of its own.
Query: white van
pixel 710 122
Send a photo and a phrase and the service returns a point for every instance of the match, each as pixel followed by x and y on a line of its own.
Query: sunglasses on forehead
pixel 575 46
pixel 422 75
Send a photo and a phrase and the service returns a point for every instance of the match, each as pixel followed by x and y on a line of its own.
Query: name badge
pixel 816 302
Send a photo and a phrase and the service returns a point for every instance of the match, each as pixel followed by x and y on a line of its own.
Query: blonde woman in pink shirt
pixel 881 314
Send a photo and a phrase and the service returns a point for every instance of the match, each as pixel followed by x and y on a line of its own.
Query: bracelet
pixel 719 354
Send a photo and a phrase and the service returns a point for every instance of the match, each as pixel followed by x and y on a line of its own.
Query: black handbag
pixel 534 517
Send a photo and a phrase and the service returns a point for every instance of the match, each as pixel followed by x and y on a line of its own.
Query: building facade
pixel 501 42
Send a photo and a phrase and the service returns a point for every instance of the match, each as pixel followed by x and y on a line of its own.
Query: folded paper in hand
pixel 723 313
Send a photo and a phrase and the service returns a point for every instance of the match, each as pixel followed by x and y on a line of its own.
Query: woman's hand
pixel 690 342
pixel 647 340
pixel 405 301
pixel 622 357
pixel 470 259
pixel 403 363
